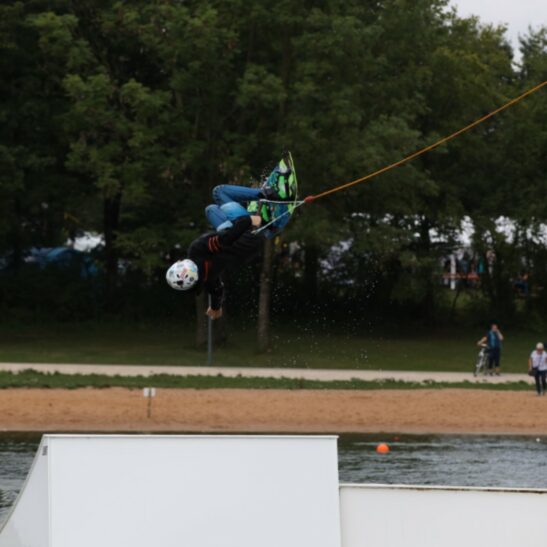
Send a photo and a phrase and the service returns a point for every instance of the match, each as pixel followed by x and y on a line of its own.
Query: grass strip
pixel 35 379
pixel 292 347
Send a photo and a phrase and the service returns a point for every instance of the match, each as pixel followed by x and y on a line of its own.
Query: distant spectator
pixel 537 363
pixel 493 340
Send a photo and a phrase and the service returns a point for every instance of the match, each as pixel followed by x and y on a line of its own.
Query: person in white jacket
pixel 537 364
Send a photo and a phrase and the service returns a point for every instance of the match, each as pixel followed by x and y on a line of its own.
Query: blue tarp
pixel 65 257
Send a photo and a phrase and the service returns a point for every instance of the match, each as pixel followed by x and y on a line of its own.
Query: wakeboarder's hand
pixel 214 314
pixel 256 220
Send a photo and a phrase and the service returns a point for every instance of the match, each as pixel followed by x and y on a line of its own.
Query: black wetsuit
pixel 215 252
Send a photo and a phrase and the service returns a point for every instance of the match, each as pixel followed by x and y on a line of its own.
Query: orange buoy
pixel 382 448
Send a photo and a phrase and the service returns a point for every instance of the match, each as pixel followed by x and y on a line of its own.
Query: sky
pixel 517 14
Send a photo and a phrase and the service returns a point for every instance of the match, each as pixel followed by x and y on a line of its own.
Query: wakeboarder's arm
pixel 216 289
pixel 228 237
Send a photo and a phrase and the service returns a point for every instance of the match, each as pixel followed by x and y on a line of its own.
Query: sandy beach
pixel 239 410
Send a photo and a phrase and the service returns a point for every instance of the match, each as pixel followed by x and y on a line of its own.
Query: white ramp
pixel 175 491
pixel 423 516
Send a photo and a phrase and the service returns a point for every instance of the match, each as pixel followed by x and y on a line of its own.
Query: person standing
pixel 537 364
pixel 493 340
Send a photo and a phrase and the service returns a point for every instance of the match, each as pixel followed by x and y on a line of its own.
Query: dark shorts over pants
pixel 494 355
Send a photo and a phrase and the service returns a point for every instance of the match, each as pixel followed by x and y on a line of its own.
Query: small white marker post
pixel 149 392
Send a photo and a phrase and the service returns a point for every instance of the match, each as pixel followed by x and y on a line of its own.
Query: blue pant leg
pixel 226 193
pixel 221 217
pixel 233 210
pixel 217 217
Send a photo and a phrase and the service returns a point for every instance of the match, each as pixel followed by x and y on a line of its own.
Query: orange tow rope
pixel 310 199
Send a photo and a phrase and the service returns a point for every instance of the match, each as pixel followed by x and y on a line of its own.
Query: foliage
pixel 120 117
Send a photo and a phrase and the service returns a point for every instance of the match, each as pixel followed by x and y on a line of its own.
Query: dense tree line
pixel 119 118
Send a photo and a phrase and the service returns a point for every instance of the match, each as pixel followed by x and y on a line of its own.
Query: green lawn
pixel 452 350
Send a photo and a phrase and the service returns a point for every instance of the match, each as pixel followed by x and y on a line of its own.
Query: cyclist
pixel 493 340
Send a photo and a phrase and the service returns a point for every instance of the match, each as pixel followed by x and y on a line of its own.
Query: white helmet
pixel 182 275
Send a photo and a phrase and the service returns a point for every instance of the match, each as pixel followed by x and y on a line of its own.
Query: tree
pixel 34 188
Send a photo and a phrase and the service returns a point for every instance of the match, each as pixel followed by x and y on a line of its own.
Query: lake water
pixel 485 460
pixel 448 460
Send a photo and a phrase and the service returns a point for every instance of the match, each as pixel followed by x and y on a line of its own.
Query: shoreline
pixel 420 411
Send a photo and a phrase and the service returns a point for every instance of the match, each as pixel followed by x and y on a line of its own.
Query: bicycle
pixel 481 364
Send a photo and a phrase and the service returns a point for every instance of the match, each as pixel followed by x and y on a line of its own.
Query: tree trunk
pixel 311 270
pixel 503 288
pixel 111 220
pixel 427 271
pixel 17 243
pixel 264 299
pixel 486 280
pixel 454 302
